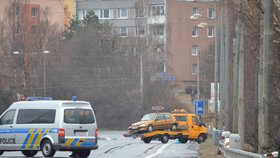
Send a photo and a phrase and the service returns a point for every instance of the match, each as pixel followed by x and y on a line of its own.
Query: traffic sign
pixel 163 75
pixel 157 108
pixel 172 78
pixel 199 107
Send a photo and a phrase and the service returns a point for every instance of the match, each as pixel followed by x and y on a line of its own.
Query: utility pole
pixel 240 101
pixel 222 69
pixel 226 66
pixel 141 79
pixel 198 73
pixel 216 69
pixel 265 79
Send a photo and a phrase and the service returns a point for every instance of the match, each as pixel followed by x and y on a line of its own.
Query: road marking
pixel 159 151
pixel 103 138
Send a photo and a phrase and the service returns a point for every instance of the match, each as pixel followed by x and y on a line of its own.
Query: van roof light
pixel 38 98
pixel 74 98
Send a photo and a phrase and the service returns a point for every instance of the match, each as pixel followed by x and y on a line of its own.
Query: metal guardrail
pixel 229 152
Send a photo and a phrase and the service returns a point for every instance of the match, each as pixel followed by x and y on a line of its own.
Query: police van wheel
pixel 29 153
pixel 47 149
pixel 84 153
pixel 1 152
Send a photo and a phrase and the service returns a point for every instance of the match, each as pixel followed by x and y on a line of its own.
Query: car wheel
pixel 173 127
pixel 84 153
pixel 29 153
pixel 147 140
pixel 1 152
pixel 183 140
pixel 47 149
pixel 150 128
pixel 164 138
pixel 200 139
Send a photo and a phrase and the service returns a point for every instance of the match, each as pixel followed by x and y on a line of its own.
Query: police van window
pixel 36 116
pixel 8 117
pixel 78 116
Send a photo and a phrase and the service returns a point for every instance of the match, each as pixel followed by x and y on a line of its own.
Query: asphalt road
pixel 113 145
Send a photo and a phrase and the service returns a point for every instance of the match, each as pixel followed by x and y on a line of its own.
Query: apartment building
pixel 187 43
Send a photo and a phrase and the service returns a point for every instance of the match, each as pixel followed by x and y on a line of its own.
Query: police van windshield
pixel 78 116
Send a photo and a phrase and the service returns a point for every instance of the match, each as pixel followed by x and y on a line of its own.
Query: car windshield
pixel 148 117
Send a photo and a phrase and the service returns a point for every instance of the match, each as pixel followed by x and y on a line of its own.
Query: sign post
pixel 198 107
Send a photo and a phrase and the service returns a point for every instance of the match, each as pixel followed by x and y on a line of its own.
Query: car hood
pixel 140 123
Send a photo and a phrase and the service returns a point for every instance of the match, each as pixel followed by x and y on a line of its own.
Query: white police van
pixel 31 126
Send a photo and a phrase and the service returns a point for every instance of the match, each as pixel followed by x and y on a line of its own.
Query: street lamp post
pixel 202 25
pixel 45 52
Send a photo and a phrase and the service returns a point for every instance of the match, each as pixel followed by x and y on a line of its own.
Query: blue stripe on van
pixel 25 130
pixel 25 141
pixel 88 144
pixel 74 142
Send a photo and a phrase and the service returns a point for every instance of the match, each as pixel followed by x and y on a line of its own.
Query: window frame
pixel 212 30
pixel 18 122
pixel 34 12
pixel 213 12
pixel 17 11
pixel 13 120
pixel 122 33
pixel 102 14
pixel 120 13
pixel 196 31
pixel 195 9
pixel 194 66
pixel 196 50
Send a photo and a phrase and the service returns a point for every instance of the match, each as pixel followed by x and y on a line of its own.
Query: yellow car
pixel 154 121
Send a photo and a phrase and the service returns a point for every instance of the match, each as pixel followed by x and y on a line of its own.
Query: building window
pixel 194 50
pixel 157 10
pixel 17 11
pixel 211 13
pixel 211 31
pixel 34 12
pixel 122 13
pixel 33 30
pixel 194 31
pixel 194 69
pixel 140 31
pixel 158 30
pixel 139 12
pixel 123 31
pixel 194 11
pixel 104 14
pixel 81 14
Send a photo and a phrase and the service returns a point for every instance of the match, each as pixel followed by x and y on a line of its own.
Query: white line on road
pixel 159 151
pixel 103 138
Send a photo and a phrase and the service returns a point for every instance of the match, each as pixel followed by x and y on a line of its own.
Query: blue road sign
pixel 199 107
pixel 172 78
pixel 163 75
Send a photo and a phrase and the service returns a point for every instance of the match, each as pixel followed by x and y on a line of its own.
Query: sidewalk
pixel 208 149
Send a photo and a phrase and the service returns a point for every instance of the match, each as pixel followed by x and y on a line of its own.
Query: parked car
pixel 154 121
